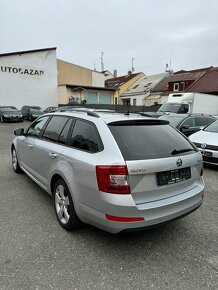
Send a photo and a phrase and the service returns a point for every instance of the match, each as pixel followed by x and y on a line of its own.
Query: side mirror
pixel 19 132
pixel 184 127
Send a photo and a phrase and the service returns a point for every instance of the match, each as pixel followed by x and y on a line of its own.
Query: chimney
pixel 115 73
pixel 129 73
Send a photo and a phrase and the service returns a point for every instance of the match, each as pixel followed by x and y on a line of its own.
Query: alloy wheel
pixel 62 204
pixel 14 159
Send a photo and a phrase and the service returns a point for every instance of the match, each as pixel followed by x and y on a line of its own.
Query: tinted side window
pixel 36 128
pixel 190 122
pixel 65 132
pixel 140 142
pixel 210 120
pixel 201 121
pixel 85 137
pixel 54 128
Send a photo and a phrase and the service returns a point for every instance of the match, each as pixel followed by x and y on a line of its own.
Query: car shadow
pixel 211 166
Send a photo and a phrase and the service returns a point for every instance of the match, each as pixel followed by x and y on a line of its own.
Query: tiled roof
pixel 207 83
pixel 162 86
pixel 188 75
pixel 192 71
pixel 144 84
pixel 118 81
pixel 182 75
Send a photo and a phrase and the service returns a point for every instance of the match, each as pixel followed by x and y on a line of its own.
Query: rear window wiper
pixel 175 151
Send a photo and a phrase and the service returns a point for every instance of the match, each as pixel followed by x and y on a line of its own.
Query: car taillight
pixel 113 179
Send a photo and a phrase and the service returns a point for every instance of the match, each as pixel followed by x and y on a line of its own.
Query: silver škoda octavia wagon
pixel 114 171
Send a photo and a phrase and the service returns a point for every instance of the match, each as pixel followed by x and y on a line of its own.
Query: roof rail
pixel 89 113
pixel 92 114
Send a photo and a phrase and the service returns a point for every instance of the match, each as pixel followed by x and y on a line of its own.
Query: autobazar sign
pixel 21 71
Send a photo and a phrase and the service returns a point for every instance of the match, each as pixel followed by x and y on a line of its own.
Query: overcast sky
pixel 153 32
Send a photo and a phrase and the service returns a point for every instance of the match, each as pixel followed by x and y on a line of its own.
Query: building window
pixel 104 98
pixel 176 87
pixel 91 98
pixel 134 102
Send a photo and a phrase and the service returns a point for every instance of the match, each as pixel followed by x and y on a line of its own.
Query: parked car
pixel 50 109
pixel 207 142
pixel 31 112
pixel 115 171
pixel 10 114
pixel 188 123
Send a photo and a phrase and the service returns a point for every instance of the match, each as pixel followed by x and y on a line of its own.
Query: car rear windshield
pixel 148 141
pixel 36 108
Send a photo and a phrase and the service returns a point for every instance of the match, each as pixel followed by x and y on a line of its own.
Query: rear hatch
pixel 161 162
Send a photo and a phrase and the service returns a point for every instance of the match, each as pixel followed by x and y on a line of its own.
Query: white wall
pixel 139 99
pixel 29 79
pixel 98 79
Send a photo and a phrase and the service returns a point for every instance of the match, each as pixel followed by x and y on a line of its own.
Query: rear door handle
pixel 53 155
pixel 30 145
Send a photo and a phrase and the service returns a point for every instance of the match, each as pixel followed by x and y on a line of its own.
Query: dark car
pixel 188 123
pixel 51 109
pixel 31 112
pixel 10 114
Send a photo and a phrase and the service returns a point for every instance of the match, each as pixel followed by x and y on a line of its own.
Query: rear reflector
pixel 202 171
pixel 124 219
pixel 113 179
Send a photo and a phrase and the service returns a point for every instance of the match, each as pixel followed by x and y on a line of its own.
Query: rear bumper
pixel 12 119
pixel 154 213
pixel 160 224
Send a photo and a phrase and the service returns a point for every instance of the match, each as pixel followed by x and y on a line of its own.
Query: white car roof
pixel 106 116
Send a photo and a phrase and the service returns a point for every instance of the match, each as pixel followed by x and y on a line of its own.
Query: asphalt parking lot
pixel 36 253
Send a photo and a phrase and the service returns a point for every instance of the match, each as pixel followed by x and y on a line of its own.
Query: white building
pixel 138 93
pixel 29 78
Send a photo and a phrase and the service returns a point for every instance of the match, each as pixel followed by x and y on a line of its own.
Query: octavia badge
pixel 203 146
pixel 179 162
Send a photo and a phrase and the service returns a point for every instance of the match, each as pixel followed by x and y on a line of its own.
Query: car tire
pixel 15 163
pixel 64 207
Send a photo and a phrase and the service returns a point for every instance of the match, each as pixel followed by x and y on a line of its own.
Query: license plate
pixel 173 176
pixel 207 153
